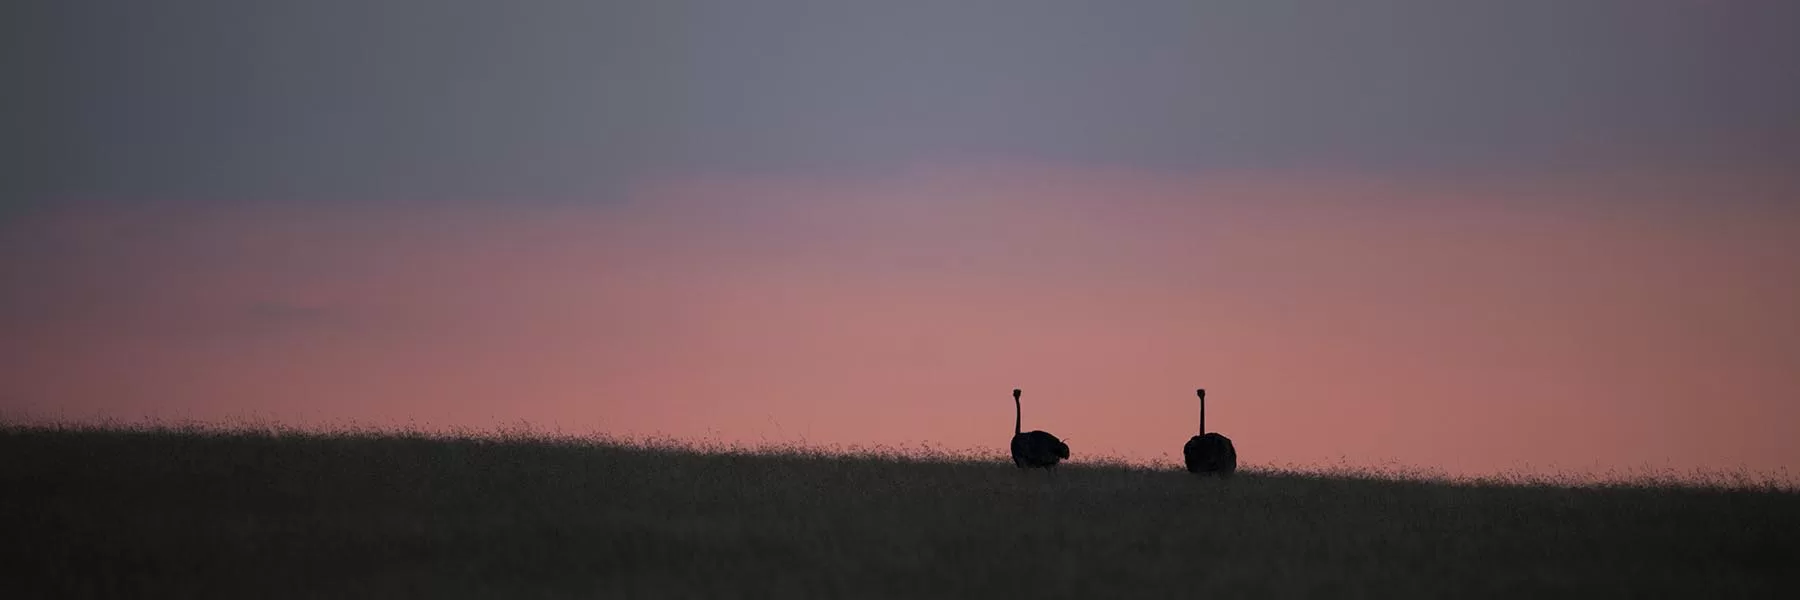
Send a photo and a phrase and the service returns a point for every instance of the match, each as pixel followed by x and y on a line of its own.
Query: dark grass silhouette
pixel 223 514
pixel 1209 453
pixel 1034 449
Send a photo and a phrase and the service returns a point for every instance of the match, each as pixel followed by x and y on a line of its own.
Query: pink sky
pixel 1586 321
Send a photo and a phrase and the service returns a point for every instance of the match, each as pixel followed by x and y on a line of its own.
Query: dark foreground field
pixel 138 515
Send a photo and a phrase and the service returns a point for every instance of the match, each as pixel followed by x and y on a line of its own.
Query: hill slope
pixel 196 514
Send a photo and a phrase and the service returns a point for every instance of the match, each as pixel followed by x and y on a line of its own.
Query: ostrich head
pixel 1018 413
pixel 1202 394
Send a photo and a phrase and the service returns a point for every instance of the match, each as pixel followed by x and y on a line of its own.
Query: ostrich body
pixel 1209 453
pixel 1034 448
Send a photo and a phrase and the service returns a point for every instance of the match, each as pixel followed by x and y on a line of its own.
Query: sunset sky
pixel 1469 236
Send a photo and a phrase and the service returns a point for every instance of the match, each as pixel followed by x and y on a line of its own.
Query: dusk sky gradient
pixel 1471 236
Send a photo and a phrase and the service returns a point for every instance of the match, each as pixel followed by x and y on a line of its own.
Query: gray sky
pixel 380 99
pixel 1463 234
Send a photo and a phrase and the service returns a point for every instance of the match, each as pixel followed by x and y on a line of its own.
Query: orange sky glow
pixel 1580 322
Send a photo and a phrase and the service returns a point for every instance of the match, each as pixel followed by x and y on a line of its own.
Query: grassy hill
pixel 87 512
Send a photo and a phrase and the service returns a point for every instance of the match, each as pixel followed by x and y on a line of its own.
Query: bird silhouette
pixel 1035 448
pixel 1209 453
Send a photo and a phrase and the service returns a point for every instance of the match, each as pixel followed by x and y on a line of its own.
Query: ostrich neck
pixel 1202 415
pixel 1016 411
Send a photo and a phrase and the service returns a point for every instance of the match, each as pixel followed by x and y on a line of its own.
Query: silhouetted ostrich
pixel 1209 453
pixel 1035 448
